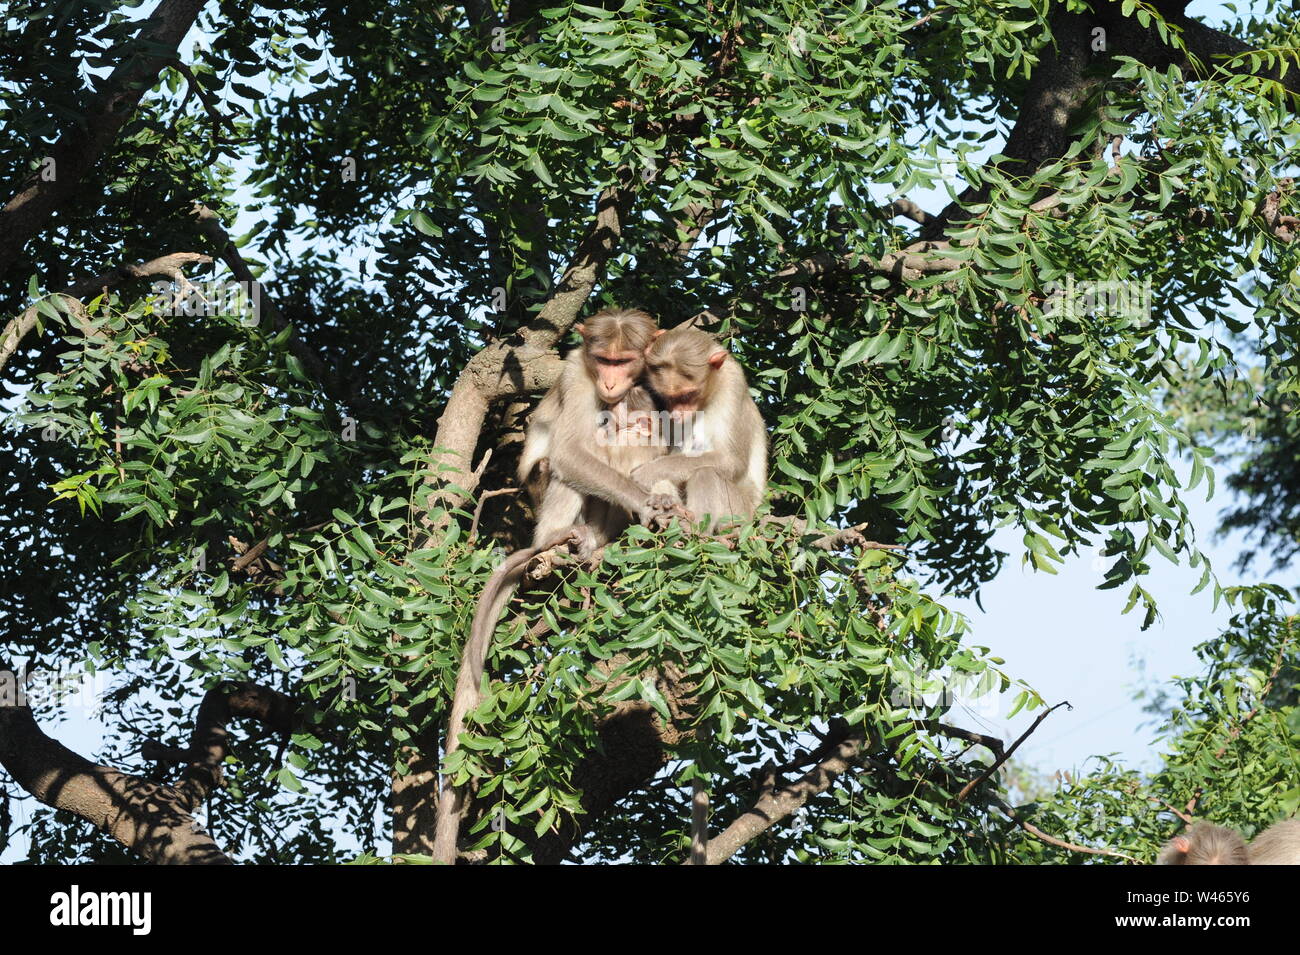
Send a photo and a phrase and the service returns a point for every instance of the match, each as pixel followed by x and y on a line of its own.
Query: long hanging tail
pixel 496 594
pixel 699 823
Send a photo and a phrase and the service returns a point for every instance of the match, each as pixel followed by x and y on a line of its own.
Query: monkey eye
pixel 613 361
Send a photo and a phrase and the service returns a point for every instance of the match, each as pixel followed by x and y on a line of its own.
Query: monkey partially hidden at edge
pixel 1207 844
pixel 718 465
pixel 585 437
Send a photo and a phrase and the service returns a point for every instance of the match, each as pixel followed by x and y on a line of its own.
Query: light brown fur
pixel 1207 844
pixel 589 482
pixel 577 460
pixel 719 463
pixel 1279 844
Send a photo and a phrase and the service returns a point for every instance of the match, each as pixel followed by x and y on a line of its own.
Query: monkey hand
pixel 659 510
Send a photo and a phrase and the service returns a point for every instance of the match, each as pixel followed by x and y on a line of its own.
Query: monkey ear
pixel 717 358
pixel 659 331
pixel 1182 844
pixel 581 329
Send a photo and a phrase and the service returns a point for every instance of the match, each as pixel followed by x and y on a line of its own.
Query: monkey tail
pixel 496 594
pixel 699 823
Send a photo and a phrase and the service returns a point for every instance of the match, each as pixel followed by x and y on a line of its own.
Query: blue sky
pixel 1070 641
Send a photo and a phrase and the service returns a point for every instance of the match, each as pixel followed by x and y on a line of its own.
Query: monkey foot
pixel 664 519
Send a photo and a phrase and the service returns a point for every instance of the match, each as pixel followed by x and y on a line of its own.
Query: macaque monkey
pixel 1207 844
pixel 718 464
pixel 1279 844
pixel 588 433
pixel 587 482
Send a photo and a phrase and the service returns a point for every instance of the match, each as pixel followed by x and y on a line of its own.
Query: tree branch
pixel 780 802
pixel 526 360
pixel 1052 840
pixel 226 250
pixel 153 820
pixel 168 265
pixel 79 148
pixel 1001 757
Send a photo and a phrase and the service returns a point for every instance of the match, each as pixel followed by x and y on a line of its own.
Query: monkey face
pixel 682 381
pixel 615 372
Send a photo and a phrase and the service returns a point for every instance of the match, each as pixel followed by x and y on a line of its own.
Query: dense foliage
pixel 414 179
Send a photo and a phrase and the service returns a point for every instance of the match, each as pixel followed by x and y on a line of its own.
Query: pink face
pixel 684 402
pixel 615 373
pixel 682 389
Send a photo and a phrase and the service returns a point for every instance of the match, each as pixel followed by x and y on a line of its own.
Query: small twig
pixel 478 508
pixel 1052 840
pixel 241 562
pixel 1177 812
pixel 728 533
pixel 998 761
pixel 168 265
pixel 482 466
pixel 209 104
pixel 956 732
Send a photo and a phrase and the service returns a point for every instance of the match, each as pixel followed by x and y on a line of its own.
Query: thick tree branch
pixel 80 148
pixel 908 210
pixel 781 801
pixel 695 218
pixel 526 361
pixel 153 820
pixel 1070 72
pixel 167 265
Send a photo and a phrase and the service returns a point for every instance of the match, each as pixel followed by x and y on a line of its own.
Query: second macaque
pixel 1207 844
pixel 718 464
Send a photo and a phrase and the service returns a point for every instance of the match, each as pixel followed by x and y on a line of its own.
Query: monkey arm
pixel 677 468
pixel 586 473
